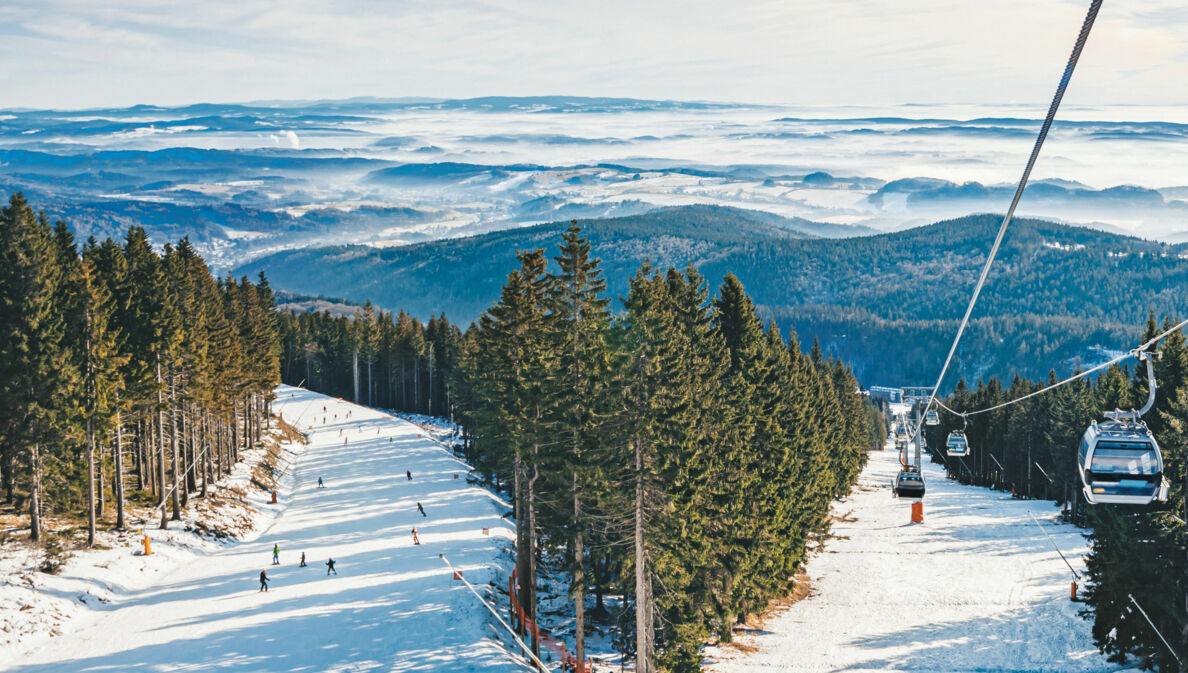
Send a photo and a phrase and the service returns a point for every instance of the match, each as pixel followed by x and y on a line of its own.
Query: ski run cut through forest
pixel 393 605
pixel 976 587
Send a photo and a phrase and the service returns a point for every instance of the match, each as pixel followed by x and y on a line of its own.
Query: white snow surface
pixel 392 607
pixel 976 587
pixel 35 606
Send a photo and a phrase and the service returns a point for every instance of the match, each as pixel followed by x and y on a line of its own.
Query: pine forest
pixel 126 375
pixel 676 454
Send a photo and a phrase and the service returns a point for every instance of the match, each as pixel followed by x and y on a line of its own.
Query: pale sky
pixel 89 53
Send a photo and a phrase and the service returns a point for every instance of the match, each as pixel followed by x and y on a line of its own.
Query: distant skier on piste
pixel 263 581
pixel 302 564
pixel 421 509
pixel 276 554
pixel 416 539
pixel 320 484
pixel 408 473
pixel 330 567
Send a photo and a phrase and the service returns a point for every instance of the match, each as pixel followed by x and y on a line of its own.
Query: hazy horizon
pixel 62 54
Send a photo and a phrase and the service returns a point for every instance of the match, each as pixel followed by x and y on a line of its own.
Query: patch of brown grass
pixel 845 518
pixel 289 432
pixel 738 645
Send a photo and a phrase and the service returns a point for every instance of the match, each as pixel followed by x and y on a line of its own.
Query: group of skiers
pixel 264 580
pixel 330 563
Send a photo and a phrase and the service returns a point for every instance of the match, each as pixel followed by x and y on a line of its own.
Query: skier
pixel 302 564
pixel 408 473
pixel 330 567
pixel 320 484
pixel 421 510
pixel 416 540
pixel 263 581
pixel 276 554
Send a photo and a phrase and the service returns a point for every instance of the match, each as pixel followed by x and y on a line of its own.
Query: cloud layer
pixel 72 53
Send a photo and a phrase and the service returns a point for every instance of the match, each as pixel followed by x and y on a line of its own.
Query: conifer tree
pixel 39 378
pixel 101 361
pixel 580 321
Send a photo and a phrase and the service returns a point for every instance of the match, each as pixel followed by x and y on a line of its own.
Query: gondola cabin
pixel 1120 464
pixel 909 483
pixel 932 418
pixel 957 444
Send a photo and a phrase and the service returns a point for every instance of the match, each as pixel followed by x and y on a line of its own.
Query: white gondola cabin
pixel 957 444
pixel 1120 464
pixel 932 418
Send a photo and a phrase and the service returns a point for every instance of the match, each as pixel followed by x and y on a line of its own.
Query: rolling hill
pixel 1058 297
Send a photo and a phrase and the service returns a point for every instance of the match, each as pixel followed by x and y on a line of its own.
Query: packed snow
pixel 36 606
pixel 975 587
pixel 393 606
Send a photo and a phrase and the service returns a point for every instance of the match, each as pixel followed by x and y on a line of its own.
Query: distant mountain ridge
pixel 1057 297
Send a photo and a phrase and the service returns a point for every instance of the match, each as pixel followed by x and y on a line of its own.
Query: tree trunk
pixel 35 495
pixel 9 478
pixel 355 374
pixel 205 452
pixel 90 478
pixel 140 454
pixel 119 466
pixel 643 626
pixel 579 593
pixel 522 547
pixel 530 579
pixel 417 384
pixel 161 447
pixel 100 486
pixel 174 445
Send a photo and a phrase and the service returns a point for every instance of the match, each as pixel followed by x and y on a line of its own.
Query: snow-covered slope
pixel 393 606
pixel 976 587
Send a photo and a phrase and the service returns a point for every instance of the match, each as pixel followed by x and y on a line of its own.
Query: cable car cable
pixel 1090 17
pixel 1139 352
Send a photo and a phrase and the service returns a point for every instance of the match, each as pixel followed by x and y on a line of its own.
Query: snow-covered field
pixel 976 587
pixel 393 606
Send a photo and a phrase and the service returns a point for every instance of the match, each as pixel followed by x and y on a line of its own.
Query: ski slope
pixel 976 587
pixel 393 606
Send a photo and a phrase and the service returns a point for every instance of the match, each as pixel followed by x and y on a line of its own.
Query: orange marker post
pixel 148 548
pixel 917 512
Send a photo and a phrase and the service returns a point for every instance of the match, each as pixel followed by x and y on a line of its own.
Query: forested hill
pixel 1056 297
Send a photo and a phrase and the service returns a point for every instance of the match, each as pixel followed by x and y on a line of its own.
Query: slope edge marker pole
pixel 458 575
